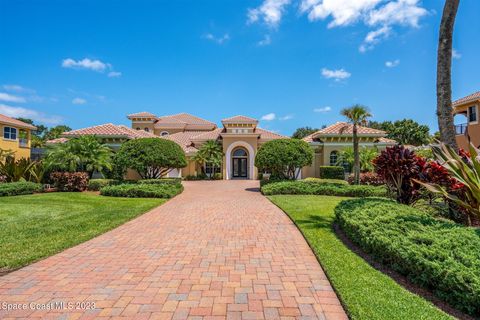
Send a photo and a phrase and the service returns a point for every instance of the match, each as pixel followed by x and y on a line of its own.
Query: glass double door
pixel 240 167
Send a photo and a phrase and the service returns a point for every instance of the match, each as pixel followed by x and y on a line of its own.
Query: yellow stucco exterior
pixel 470 121
pixel 21 145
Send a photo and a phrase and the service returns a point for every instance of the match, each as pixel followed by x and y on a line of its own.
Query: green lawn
pixel 37 226
pixel 365 292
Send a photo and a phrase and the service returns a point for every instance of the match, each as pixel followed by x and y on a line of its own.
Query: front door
pixel 239 167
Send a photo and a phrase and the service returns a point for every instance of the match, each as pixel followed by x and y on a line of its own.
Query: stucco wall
pixel 251 141
pixel 13 145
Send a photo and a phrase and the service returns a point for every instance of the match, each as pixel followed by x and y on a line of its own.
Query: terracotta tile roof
pixel 386 140
pixel 343 128
pixel 184 139
pixel 112 130
pixel 15 123
pixel 58 140
pixel 182 120
pixel 209 135
pixel 470 98
pixel 191 119
pixel 142 114
pixel 269 135
pixel 240 119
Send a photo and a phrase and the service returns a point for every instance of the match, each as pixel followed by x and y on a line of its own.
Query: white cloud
pixel 79 101
pixel 337 75
pixel 11 98
pixel 114 74
pixel 219 40
pixel 456 54
pixel 287 117
pixel 270 12
pixel 392 64
pixel 403 12
pixel 374 37
pixel 268 117
pixel 95 65
pixel 265 41
pixel 323 109
pixel 16 88
pixel 18 112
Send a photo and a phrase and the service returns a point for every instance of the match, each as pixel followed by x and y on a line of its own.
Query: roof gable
pixel 470 98
pixel 15 123
pixel 344 129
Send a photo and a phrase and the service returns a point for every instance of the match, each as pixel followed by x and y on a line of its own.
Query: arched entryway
pixel 239 160
pixel 240 163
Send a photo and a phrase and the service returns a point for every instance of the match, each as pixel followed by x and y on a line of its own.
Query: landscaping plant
pixel 368 178
pixel 19 188
pixel 367 155
pixel 97 184
pixel 211 152
pixel 332 172
pixel 165 191
pixel 70 181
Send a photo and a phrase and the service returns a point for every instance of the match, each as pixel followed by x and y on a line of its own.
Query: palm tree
pixel 356 115
pixel 210 152
pixel 444 73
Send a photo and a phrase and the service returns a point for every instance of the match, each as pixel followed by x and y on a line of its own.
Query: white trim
pixel 228 158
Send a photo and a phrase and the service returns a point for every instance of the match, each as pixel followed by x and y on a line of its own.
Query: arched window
pixel 240 153
pixel 138 128
pixel 164 133
pixel 333 158
pixel 146 129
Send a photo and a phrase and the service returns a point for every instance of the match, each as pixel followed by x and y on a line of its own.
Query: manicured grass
pixel 366 293
pixel 36 226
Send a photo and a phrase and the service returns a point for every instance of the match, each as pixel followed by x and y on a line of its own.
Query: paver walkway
pixel 219 250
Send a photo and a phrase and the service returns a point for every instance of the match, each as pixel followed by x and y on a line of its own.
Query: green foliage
pixel 16 170
pixel 283 156
pixel 56 132
pixel 320 180
pixel 437 255
pixel 152 158
pixel 43 133
pixel 332 172
pixel 84 153
pixel 210 152
pixel 367 178
pixel 192 177
pixel 142 190
pixel 70 181
pixel 174 181
pixel 347 156
pixel 19 188
pixel 97 184
pixel 406 131
pixel 4 154
pixel 426 153
pixel 328 189
pixel 302 132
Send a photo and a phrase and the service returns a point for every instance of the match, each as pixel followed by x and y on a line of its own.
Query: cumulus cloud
pixel 79 101
pixel 265 41
pixel 456 54
pixel 93 65
pixel 392 64
pixel 287 117
pixel 217 39
pixel 337 75
pixel 15 88
pixel 270 12
pixel 19 112
pixel 6 97
pixel 114 74
pixel 323 109
pixel 374 37
pixel 268 117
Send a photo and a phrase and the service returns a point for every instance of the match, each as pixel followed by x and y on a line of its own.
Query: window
pixel 240 153
pixel 333 158
pixel 164 133
pixel 472 114
pixel 9 133
pixel 146 129
pixel 138 128
pixel 209 169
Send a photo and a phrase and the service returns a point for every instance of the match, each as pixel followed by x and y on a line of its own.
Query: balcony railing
pixel 23 143
pixel 460 129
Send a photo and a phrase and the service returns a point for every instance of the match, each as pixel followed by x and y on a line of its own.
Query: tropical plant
pixel 5 154
pixel 82 154
pixel 444 73
pixel 284 157
pixel 406 131
pixel 465 189
pixel 152 158
pixel 367 155
pixel 16 170
pixel 302 132
pixel 210 152
pixel 356 115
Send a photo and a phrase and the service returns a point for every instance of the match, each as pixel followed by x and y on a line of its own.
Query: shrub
pixel 327 189
pixel 174 181
pixel 200 176
pixel 332 172
pixel 282 157
pixel 19 188
pixel 438 255
pixel 367 178
pixel 70 181
pixel 217 176
pixel 97 184
pixel 142 190
pixel 319 180
pixel 152 158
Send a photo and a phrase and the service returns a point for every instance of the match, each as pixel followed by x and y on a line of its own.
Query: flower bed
pixel 437 255
pixel 165 191
pixel 19 188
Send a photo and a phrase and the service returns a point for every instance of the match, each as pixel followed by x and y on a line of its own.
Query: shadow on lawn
pixel 314 222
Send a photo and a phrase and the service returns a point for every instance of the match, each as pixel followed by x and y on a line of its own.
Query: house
pixel 466 109
pixel 16 136
pixel 239 136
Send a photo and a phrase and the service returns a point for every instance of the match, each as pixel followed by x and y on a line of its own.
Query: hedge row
pixel 19 188
pixel 142 190
pixel 97 184
pixel 320 188
pixel 173 181
pixel 332 172
pixel 441 256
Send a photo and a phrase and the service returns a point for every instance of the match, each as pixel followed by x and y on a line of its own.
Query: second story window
pixel 472 114
pixel 10 133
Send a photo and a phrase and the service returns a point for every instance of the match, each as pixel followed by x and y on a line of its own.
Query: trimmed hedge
pixel 19 188
pixel 441 256
pixel 327 189
pixel 97 184
pixel 332 172
pixel 142 190
pixel 172 181
pixel 320 180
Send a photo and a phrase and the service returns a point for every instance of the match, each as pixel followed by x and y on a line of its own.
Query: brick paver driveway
pixel 219 250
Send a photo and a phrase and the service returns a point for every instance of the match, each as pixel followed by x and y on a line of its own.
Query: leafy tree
pixel 210 152
pixel 406 131
pixel 302 132
pixel 356 115
pixel 283 157
pixel 366 157
pixel 56 132
pixel 84 154
pixel 152 158
pixel 43 133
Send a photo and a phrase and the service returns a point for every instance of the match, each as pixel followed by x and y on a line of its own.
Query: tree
pixel 406 131
pixel 444 73
pixel 356 115
pixel 210 152
pixel 302 132
pixel 152 158
pixel 56 132
pixel 366 158
pixel 43 133
pixel 282 157
pixel 84 154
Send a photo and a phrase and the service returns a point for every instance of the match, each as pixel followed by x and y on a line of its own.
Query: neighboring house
pixel 16 136
pixel 328 142
pixel 467 108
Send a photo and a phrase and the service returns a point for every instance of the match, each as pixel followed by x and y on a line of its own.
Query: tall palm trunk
pixel 444 74
pixel 356 156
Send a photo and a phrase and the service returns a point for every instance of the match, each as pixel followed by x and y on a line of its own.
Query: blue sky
pixel 292 62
